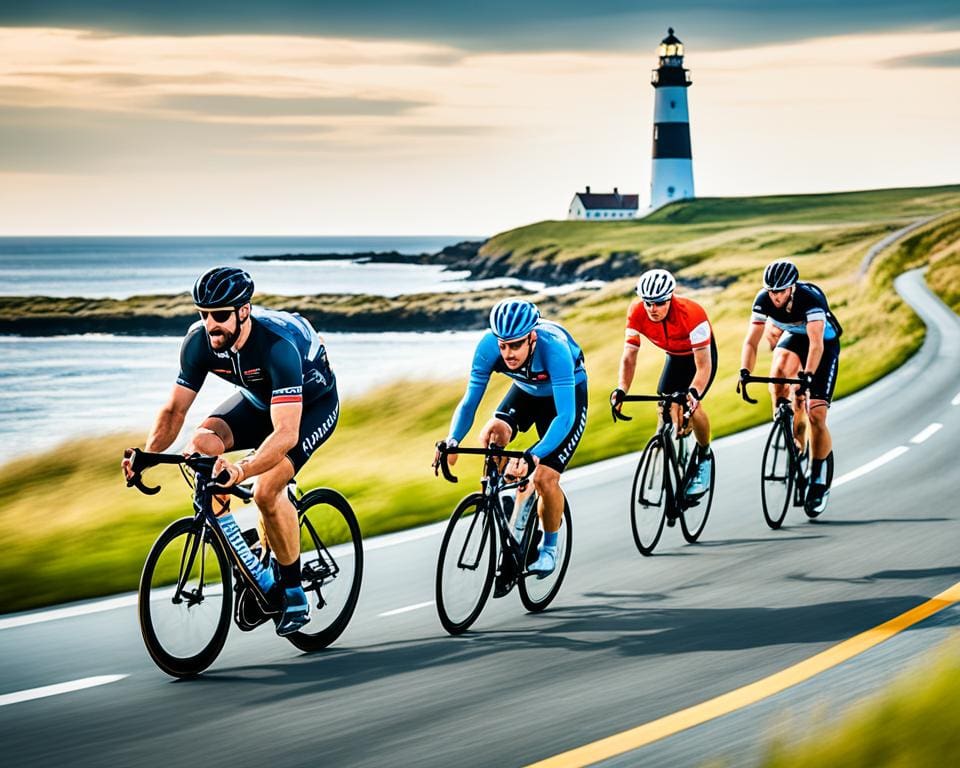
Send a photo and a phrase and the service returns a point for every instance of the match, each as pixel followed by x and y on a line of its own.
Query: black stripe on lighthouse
pixel 671 140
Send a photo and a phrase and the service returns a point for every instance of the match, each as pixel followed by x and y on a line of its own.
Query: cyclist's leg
pixel 513 415
pixel 547 477
pixel 788 357
pixel 235 424
pixel 821 393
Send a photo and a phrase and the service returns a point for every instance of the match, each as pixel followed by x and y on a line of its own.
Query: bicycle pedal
pixel 248 614
pixel 672 520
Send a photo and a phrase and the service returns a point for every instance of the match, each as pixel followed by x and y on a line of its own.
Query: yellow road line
pixel 749 694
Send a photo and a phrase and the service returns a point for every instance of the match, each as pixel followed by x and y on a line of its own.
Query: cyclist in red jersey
pixel 680 328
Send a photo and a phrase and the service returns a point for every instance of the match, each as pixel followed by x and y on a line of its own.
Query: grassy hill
pixel 74 530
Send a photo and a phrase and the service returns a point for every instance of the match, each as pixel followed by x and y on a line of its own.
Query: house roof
pixel 612 201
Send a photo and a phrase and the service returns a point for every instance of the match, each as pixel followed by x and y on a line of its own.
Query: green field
pixel 74 530
pixel 915 723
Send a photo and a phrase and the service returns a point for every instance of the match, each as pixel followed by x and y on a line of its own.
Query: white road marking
pixel 870 466
pixel 405 609
pixel 68 613
pixel 926 433
pixel 56 690
pixel 956 399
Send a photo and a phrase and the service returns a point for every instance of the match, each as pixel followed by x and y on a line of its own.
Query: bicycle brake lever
pixel 445 468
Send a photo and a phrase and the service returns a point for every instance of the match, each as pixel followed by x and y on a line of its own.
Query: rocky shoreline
pixel 172 315
pixel 484 259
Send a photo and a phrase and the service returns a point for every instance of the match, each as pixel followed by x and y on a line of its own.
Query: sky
pixel 310 117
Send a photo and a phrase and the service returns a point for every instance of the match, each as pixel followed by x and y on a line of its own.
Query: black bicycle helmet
pixel 779 275
pixel 222 287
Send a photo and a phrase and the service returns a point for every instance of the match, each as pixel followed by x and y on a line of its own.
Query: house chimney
pixel 588 189
pixel 616 191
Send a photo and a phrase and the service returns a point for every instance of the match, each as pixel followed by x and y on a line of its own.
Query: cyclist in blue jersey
pixel 806 335
pixel 549 392
pixel 286 407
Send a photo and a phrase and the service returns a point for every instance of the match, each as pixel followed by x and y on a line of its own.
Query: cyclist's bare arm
pixel 286 429
pixel 628 366
pixel 167 425
pixel 815 351
pixel 701 357
pixel 748 355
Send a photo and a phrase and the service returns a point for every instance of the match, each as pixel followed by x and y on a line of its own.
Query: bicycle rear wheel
pixel 693 519
pixel 331 564
pixel 648 499
pixel 465 567
pixel 536 594
pixel 776 481
pixel 184 598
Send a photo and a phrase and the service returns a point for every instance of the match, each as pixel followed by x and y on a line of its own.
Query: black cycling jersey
pixel 282 360
pixel 807 304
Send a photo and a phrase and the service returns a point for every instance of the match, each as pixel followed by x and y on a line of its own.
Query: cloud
pixel 936 59
pixel 229 105
pixel 504 25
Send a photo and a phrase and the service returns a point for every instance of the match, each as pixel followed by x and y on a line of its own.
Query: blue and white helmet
pixel 513 318
pixel 656 285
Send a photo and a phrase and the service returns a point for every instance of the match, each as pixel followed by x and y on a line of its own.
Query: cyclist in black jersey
pixel 286 407
pixel 805 338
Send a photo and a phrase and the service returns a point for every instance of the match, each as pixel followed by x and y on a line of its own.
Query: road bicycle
pixel 194 573
pixel 480 547
pixel 659 493
pixel 785 468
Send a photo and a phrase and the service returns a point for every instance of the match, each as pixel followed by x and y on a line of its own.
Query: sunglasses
pixel 652 304
pixel 219 315
pixel 513 346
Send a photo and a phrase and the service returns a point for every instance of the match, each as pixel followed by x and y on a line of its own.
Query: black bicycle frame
pixel 783 420
pixel 665 433
pixel 494 482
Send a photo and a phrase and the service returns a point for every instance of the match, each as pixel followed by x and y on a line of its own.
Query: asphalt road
pixel 629 639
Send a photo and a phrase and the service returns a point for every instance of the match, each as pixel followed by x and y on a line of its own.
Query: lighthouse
pixel 672 177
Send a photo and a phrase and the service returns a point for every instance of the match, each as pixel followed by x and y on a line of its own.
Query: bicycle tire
pixel 160 640
pixel 328 525
pixel 647 510
pixel 466 547
pixel 691 530
pixel 776 475
pixel 530 596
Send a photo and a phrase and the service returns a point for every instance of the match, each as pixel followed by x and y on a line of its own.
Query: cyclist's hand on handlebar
pixel 451 458
pixel 518 467
pixel 807 378
pixel 616 402
pixel 693 400
pixel 234 472
pixel 126 465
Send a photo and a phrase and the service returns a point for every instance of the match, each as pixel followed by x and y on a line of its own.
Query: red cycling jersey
pixel 684 329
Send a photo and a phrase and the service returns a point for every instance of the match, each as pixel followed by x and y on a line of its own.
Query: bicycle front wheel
pixel 776 484
pixel 649 497
pixel 696 511
pixel 535 593
pixel 331 566
pixel 468 558
pixel 184 598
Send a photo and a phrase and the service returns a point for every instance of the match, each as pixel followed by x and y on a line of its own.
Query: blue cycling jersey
pixel 555 368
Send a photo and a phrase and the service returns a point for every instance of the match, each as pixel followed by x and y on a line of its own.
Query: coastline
pixel 171 315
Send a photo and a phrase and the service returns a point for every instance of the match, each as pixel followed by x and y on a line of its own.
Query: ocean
pixel 56 388
pixel 119 267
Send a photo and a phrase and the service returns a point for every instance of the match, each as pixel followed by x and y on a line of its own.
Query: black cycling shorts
pixel 521 410
pixel 825 378
pixel 679 371
pixel 251 425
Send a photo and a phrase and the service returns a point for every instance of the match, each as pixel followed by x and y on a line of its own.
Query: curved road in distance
pixel 628 640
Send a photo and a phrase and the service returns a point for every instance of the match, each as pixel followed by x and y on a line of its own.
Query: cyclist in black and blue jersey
pixel 807 338
pixel 286 407
pixel 549 391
